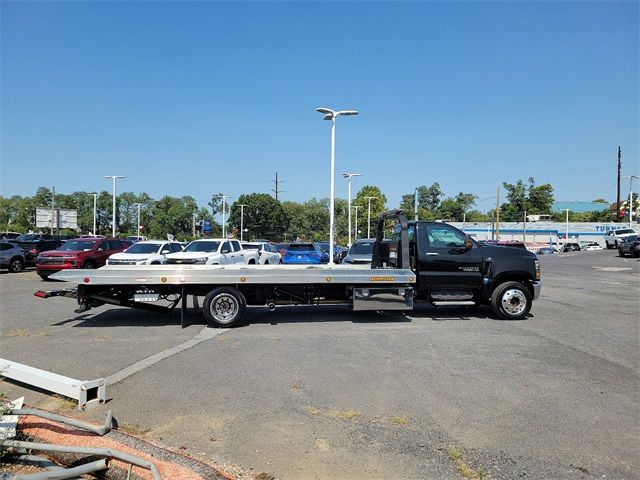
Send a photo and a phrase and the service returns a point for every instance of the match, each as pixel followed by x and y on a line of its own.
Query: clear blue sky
pixel 205 97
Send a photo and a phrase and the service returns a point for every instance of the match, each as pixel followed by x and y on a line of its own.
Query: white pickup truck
pixel 214 251
pixel 615 237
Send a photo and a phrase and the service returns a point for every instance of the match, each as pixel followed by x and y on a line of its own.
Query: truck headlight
pixel 202 260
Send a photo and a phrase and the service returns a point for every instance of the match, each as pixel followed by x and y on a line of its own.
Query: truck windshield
pixel 77 246
pixel 362 248
pixel 624 232
pixel 202 246
pixel 143 248
pixel 29 237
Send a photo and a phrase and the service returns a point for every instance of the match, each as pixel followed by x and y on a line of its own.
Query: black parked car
pixel 571 247
pixel 630 246
pixel 34 243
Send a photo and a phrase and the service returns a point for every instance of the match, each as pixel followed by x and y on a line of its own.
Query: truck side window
pixel 104 246
pixel 226 246
pixel 444 236
pixel 236 246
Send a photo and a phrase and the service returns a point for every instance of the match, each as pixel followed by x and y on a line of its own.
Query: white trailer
pixel 228 289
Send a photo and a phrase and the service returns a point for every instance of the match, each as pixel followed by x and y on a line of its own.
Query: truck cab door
pixel 445 261
pixel 236 255
pixel 225 253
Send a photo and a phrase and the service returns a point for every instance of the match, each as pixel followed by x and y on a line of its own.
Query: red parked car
pixel 79 253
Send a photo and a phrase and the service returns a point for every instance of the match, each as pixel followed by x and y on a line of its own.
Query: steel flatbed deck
pixel 236 275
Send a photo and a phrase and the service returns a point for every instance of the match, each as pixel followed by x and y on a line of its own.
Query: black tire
pixel 511 300
pixel 16 264
pixel 266 262
pixel 44 276
pixel 224 307
pixel 89 265
pixel 620 254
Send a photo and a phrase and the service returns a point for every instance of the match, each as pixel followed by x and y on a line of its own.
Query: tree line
pixel 265 217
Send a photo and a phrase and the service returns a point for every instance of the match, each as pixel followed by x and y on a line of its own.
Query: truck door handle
pixel 432 254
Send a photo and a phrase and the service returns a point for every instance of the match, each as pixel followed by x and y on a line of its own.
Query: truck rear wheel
pixel 224 307
pixel 511 300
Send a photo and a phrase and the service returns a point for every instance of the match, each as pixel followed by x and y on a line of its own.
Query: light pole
pixel 415 205
pixel 138 230
pixel 224 197
pixel 356 207
pixel 348 176
pixel 332 115
pixel 630 177
pixel 369 216
pixel 566 234
pixel 95 201
pixel 113 191
pixel 241 221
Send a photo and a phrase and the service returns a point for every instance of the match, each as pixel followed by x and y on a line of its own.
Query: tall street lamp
pixel 348 176
pixel 566 233
pixel 332 115
pixel 113 191
pixel 356 207
pixel 630 177
pixel 241 221
pixel 95 201
pixel 369 216
pixel 224 197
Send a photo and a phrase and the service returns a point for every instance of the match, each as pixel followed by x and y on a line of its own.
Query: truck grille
pixel 121 262
pixel 51 260
pixel 181 261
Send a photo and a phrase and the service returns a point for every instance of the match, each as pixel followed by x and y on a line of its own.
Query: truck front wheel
pixel 223 307
pixel 511 300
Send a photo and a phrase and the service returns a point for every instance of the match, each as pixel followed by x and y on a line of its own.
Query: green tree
pixel 378 206
pixel 428 201
pixel 263 216
pixel 173 216
pixel 520 198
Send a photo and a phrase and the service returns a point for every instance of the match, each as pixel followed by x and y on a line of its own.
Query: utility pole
pixel 618 195
pixel 498 214
pixel 277 191
pixel 138 231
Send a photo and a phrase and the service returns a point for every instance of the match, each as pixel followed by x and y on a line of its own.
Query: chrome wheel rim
pixel 513 301
pixel 224 308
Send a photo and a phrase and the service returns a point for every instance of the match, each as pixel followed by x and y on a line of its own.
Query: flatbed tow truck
pixel 421 262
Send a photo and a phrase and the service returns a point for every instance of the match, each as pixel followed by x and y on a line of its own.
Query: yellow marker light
pixel 328 279
pixel 163 279
pixel 243 279
pixel 382 279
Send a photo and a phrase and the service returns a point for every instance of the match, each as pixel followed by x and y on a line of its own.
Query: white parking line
pixel 204 334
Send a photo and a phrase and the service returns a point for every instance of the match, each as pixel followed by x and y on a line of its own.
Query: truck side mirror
pixel 468 243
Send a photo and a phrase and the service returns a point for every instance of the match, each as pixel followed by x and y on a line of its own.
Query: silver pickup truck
pixel 214 251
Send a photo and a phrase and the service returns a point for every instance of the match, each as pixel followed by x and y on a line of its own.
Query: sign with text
pixel 62 218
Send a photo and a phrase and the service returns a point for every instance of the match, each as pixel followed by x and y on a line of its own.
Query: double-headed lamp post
pixel 348 176
pixel 369 216
pixel 630 177
pixel 113 191
pixel 332 115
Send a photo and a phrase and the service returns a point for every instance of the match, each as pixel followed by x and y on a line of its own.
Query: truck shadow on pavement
pixel 126 317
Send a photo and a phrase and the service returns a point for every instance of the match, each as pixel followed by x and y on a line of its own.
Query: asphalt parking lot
pixel 327 393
